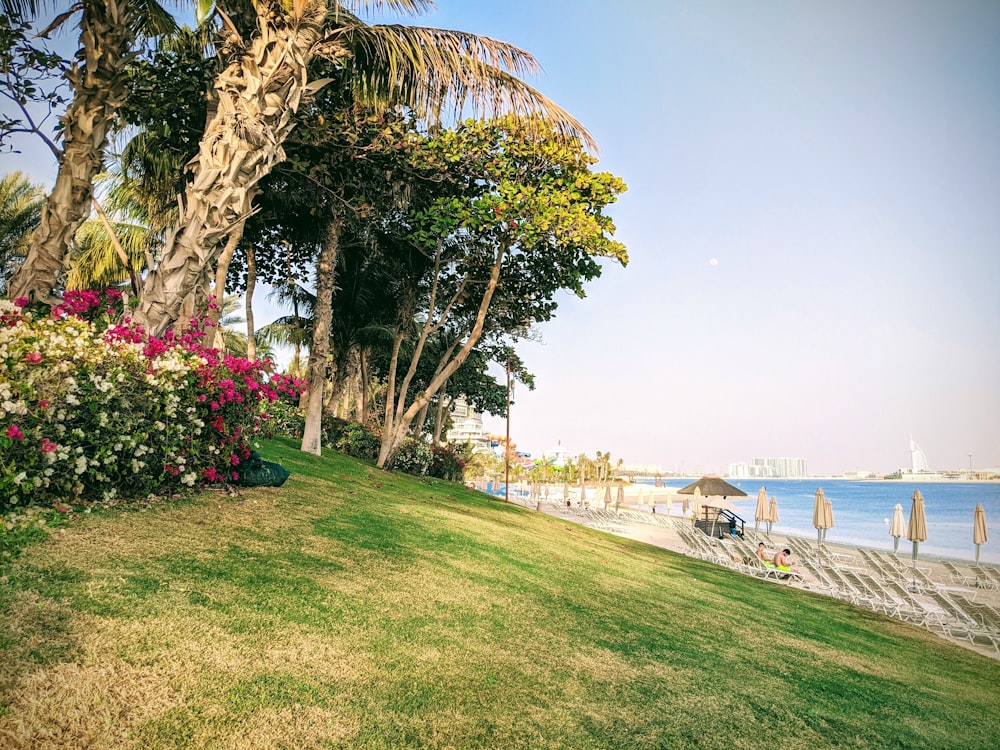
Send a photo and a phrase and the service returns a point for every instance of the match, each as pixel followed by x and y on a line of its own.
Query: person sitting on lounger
pixel 762 553
pixel 783 560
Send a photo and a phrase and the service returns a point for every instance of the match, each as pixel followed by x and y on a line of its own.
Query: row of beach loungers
pixel 879 581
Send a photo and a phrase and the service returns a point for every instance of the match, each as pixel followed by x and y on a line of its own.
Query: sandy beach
pixel 930 598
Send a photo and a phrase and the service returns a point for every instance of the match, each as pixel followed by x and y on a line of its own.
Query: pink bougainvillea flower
pixel 42 404
pixel 47 446
pixel 34 358
pixel 20 302
pixel 14 432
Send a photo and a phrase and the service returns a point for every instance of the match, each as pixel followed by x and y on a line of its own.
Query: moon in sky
pixel 713 262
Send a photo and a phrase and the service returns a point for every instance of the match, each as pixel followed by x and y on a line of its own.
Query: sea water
pixel 862 511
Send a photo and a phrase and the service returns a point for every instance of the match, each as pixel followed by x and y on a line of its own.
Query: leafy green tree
pixel 259 90
pixel 526 221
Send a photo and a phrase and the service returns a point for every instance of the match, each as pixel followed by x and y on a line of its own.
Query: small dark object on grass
pixel 256 472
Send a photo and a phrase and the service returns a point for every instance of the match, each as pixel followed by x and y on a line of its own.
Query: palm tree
pixel 428 70
pixel 20 210
pixel 109 30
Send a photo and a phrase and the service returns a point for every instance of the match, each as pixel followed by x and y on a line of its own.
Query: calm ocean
pixel 861 512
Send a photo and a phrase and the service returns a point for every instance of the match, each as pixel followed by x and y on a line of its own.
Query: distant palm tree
pixel 20 210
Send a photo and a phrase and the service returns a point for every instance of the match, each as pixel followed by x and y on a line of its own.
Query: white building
pixel 770 468
pixel 467 427
pixel 559 456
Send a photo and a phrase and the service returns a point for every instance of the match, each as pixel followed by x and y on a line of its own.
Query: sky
pixel 813 224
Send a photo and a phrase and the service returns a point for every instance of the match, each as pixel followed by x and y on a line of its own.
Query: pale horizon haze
pixel 813 224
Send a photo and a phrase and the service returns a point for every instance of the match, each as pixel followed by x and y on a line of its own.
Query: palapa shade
pixel 712 485
pixel 761 512
pixel 917 531
pixel 819 514
pixel 897 527
pixel 979 528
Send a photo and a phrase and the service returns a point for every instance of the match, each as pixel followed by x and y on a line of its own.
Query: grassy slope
pixel 358 609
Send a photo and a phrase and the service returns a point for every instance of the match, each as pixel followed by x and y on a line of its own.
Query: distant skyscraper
pixel 918 460
pixel 763 468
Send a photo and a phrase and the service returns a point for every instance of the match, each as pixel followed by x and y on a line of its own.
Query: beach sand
pixel 629 524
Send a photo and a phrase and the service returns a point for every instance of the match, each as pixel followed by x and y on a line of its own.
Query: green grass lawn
pixel 358 609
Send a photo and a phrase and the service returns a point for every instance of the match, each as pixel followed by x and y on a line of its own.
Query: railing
pixel 720 523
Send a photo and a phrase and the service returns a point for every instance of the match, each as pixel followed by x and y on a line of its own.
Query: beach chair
pixel 986 577
pixel 957 576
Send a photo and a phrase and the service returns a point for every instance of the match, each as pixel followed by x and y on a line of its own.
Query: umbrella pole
pixel 977 554
pixel 895 545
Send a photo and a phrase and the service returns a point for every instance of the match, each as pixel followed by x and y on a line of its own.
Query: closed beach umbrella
pixel 917 532
pixel 607 495
pixel 761 512
pixel 979 528
pixel 827 517
pixel 619 497
pixel 819 514
pixel 670 503
pixel 897 527
pixel 565 490
pixel 772 514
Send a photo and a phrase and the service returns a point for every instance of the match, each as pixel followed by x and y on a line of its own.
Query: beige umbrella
pixel 565 490
pixel 670 504
pixel 696 503
pixel 619 497
pixel 917 532
pixel 897 526
pixel 979 528
pixel 772 514
pixel 827 517
pixel 819 515
pixel 607 495
pixel 761 512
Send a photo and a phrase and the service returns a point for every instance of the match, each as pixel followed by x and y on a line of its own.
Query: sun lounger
pixel 957 576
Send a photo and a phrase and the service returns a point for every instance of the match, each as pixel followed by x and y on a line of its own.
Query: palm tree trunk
pixel 319 350
pixel 257 94
pixel 106 36
pixel 251 285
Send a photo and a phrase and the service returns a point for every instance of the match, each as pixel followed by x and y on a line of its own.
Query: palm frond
pixel 95 262
pixel 411 7
pixel 435 71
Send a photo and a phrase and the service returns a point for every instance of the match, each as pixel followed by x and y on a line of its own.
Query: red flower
pixel 14 432
pixel 47 446
pixel 33 358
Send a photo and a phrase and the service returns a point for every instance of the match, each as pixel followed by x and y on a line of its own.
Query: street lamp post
pixel 506 447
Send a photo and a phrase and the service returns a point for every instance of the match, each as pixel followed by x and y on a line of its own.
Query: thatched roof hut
pixel 712 486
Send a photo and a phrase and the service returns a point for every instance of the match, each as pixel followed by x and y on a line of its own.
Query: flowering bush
pixel 413 457
pixel 91 410
pixel 447 462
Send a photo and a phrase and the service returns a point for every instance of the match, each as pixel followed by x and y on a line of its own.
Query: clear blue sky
pixel 813 219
